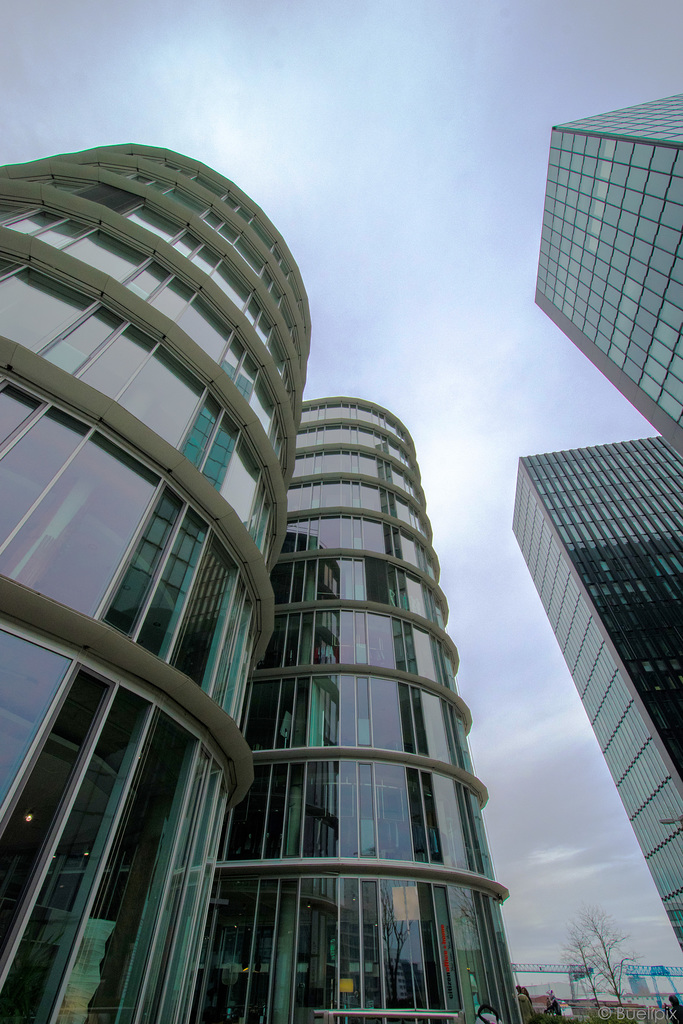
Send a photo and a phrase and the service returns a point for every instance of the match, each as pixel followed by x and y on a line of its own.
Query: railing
pixel 442 1016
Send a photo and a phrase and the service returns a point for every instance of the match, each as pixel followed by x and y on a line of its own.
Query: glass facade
pixel 153 340
pixel 356 873
pixel 600 529
pixel 611 266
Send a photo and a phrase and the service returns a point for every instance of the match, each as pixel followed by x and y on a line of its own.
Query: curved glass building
pixel 154 333
pixel 355 874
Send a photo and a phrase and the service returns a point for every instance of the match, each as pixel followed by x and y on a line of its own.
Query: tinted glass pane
pixel 164 395
pixel 199 642
pixel 71 544
pixel 42 795
pixel 29 678
pixel 403 968
pixel 15 407
pixel 127 903
pixel 105 253
pixel 50 931
pixel 204 328
pixel 393 820
pixel 133 589
pixel 321 828
pixel 198 438
pixel 29 466
pixel 386 723
pixel 164 611
pixel 33 308
pixel 154 222
pixel 72 351
pixel 118 362
pixel 239 486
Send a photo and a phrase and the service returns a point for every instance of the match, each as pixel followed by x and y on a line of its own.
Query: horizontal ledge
pixel 365 754
pixel 333 867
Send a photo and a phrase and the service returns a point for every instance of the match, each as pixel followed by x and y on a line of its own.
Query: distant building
pixel 601 530
pixel 356 873
pixel 611 265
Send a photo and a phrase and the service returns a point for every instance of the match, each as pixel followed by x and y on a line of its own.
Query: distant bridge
pixel 579 971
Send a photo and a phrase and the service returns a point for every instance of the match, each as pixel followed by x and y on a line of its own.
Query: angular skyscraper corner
pixel 356 874
pixel 611 264
pixel 601 530
pixel 154 333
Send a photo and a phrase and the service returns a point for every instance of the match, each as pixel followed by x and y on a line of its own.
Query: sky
pixel 401 149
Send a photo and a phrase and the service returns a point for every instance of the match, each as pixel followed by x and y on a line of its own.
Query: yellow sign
pixel 346 984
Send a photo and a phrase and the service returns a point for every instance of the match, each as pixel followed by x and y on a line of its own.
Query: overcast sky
pixel 401 149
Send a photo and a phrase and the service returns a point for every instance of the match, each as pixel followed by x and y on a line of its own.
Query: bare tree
pixel 577 951
pixel 595 941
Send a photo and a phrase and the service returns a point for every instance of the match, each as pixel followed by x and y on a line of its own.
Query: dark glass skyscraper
pixel 601 530
pixel 356 872
pixel 611 265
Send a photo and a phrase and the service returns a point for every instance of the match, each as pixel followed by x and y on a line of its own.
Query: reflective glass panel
pixel 106 253
pixel 15 407
pixel 29 678
pixel 72 351
pixel 34 308
pixel 117 364
pixel 164 395
pixel 71 544
pixel 31 821
pixel 50 931
pixel 115 945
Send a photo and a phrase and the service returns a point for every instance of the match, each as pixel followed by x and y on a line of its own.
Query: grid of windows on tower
pixel 610 258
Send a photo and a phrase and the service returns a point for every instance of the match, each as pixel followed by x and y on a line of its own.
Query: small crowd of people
pixel 552 1006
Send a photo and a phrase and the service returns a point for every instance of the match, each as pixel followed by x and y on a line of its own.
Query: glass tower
pixel 153 342
pixel 601 530
pixel 611 265
pixel 356 873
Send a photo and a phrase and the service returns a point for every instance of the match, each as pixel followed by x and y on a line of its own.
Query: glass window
pixel 239 486
pixel 324 713
pixel 29 679
pixel 154 222
pixel 31 821
pixel 198 438
pixel 172 299
pixel 434 726
pixel 166 605
pixel 393 819
pixel 133 589
pixel 71 544
pixel 105 253
pixel 386 724
pixel 198 644
pixel 321 825
pixel 115 946
pixel 164 395
pixel 403 968
pixel 380 641
pixel 15 407
pixel 28 467
pixel 72 351
pixel 206 329
pixel 34 308
pixel 50 931
pixel 221 451
pixel 118 363
pixel 452 843
pixel 148 280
